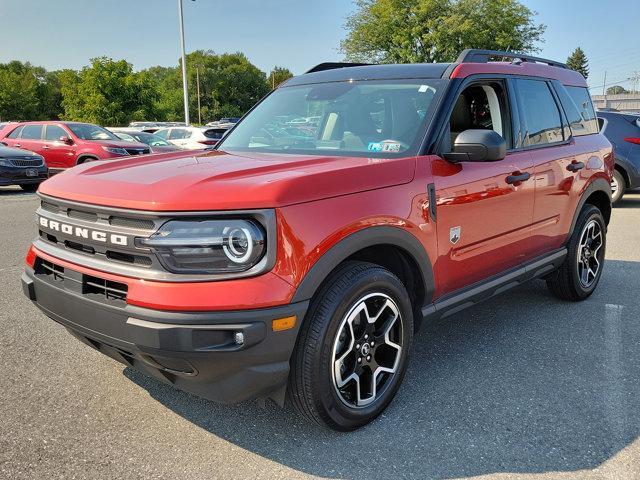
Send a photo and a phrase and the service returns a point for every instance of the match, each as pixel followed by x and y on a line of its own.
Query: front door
pixel 58 154
pixel 484 209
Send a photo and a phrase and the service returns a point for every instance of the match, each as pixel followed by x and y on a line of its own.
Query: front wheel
pixel 580 273
pixel 353 349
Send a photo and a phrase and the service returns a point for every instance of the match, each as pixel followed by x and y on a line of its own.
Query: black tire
pixel 85 160
pixel 30 187
pixel 566 283
pixel 313 390
pixel 619 185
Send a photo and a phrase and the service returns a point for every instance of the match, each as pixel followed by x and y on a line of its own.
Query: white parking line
pixel 614 395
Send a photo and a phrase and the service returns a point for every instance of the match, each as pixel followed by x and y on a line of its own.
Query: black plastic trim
pixel 368 237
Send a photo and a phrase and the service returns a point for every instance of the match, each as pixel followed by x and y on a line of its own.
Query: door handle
pixel 518 177
pixel 46 147
pixel 17 145
pixel 575 166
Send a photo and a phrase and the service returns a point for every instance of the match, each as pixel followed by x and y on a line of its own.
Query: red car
pixel 67 144
pixel 298 266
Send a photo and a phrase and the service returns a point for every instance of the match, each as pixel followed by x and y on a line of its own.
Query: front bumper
pixel 19 176
pixel 195 351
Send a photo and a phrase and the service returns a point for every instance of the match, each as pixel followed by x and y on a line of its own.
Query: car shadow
pixel 630 200
pixel 523 383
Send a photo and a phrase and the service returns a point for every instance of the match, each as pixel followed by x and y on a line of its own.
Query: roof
pixel 471 61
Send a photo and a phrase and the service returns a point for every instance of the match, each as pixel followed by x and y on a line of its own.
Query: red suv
pixel 67 144
pixel 298 259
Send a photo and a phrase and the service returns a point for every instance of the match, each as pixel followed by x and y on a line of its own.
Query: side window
pixel 576 125
pixel 543 124
pixel 481 106
pixel 15 133
pixel 32 132
pixel 54 132
pixel 177 134
pixel 162 134
pixel 582 100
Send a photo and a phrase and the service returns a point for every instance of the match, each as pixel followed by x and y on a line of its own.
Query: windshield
pixel 86 131
pixel 151 139
pixel 367 118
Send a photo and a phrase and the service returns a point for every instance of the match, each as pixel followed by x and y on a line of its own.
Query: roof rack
pixel 472 55
pixel 333 65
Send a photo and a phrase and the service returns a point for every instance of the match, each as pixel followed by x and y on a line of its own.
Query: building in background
pixel 625 102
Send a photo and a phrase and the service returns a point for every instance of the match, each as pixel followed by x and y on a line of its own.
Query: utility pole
pixel 184 65
pixel 198 83
pixel 604 84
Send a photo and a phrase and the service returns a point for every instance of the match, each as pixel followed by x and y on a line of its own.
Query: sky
pixel 296 34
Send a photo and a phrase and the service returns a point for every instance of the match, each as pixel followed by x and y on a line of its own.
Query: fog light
pixel 239 338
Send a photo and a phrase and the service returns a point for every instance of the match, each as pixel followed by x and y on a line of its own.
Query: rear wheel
pixel 580 273
pixel 618 186
pixel 353 349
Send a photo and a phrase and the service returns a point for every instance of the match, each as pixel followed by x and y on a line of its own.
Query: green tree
pixel 578 61
pixel 108 92
pixel 616 90
pixel 277 76
pixel 409 31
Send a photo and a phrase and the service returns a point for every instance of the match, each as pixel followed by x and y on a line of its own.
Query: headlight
pixel 208 246
pixel 116 150
pixel 4 162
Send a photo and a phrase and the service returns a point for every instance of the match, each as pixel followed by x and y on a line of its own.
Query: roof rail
pixel 472 55
pixel 333 65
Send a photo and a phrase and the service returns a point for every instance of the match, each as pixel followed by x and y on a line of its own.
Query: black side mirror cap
pixel 478 146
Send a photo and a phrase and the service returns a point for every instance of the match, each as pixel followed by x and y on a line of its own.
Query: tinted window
pixel 151 139
pixel 162 134
pixel 15 133
pixel 32 132
pixel 215 133
pixel 54 132
pixel 542 117
pixel 582 100
pixel 179 133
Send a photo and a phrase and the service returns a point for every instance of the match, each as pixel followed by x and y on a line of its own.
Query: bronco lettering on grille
pixel 86 233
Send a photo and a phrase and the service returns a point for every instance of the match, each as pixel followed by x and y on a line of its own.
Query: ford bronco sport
pixel 297 260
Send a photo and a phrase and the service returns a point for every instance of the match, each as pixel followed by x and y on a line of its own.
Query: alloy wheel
pixel 590 253
pixel 367 350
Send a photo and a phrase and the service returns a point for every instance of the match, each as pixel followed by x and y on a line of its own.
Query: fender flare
pixel 599 184
pixel 84 156
pixel 367 237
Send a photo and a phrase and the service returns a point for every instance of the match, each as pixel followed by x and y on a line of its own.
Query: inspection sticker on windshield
pixel 386 146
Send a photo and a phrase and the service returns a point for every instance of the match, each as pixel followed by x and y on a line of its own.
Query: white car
pixel 192 138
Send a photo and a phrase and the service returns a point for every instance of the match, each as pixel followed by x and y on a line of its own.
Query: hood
pixel 215 180
pixel 10 152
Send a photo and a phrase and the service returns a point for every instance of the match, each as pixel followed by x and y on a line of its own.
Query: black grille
pixel 26 162
pixel 128 258
pixel 79 247
pixel 43 267
pixel 138 223
pixel 80 215
pixel 110 290
pixel 137 151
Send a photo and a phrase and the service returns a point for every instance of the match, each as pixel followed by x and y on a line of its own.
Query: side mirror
pixel 66 140
pixel 478 146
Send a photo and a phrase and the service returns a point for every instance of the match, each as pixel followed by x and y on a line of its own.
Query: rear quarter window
pixel 582 101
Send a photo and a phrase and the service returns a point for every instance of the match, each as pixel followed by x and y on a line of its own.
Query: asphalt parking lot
pixel 523 386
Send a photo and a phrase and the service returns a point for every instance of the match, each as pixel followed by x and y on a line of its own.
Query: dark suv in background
pixel 623 131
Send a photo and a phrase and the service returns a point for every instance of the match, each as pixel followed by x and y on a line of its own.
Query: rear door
pixel 31 138
pixel 483 216
pixel 559 162
pixel 179 137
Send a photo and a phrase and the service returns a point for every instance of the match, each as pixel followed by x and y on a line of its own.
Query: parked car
pixel 66 144
pixel 20 167
pixel 192 138
pixel 227 121
pixel 300 268
pixel 156 144
pixel 623 131
pixel 150 127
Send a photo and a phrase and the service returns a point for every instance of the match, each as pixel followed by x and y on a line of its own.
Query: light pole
pixel 184 65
